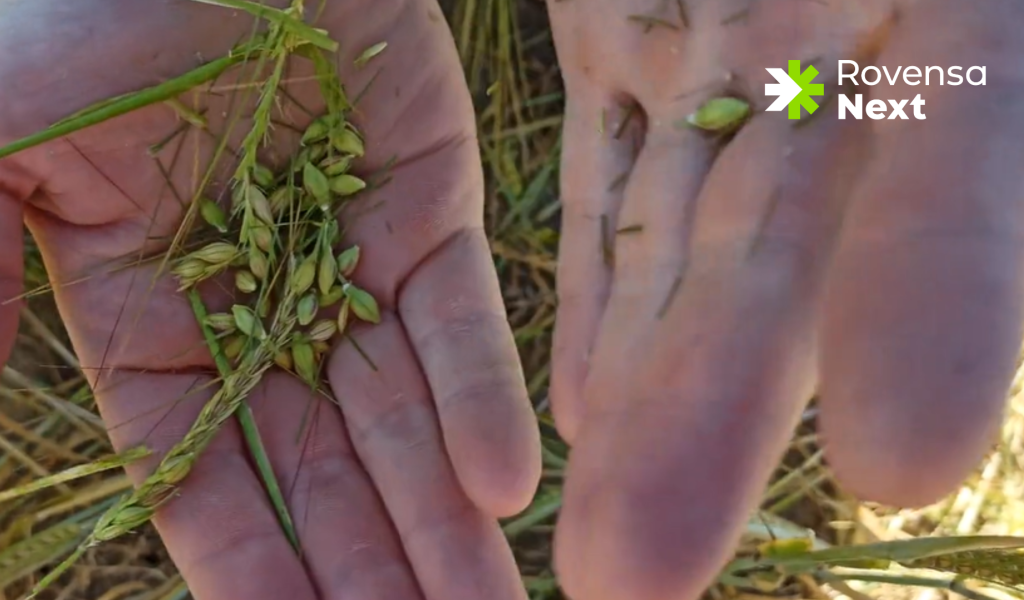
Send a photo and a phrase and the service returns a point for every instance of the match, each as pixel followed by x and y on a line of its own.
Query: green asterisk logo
pixel 807 89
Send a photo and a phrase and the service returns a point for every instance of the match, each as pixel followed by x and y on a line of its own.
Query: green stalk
pixel 110 109
pixel 76 472
pixel 248 423
pixel 542 508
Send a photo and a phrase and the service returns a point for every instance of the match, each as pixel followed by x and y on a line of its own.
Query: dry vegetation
pixel 48 423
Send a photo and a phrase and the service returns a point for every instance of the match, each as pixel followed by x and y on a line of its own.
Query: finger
pixel 456 550
pixel 456 321
pixel 685 425
pixel 667 177
pixel 347 539
pixel 220 530
pixel 652 246
pixel 10 271
pixel 595 168
pixel 923 315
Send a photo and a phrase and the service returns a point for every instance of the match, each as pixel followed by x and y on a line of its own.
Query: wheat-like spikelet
pixel 1001 566
pixel 29 554
pixel 159 487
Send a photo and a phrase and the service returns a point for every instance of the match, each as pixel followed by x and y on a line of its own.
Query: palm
pixel 432 444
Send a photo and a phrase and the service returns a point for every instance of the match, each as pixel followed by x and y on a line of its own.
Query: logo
pixel 794 89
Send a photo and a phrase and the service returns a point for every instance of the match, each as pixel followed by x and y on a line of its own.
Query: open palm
pixel 395 495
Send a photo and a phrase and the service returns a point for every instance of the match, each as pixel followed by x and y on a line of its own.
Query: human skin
pixel 879 262
pixel 397 499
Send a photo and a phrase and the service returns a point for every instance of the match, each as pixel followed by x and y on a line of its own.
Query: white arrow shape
pixel 786 89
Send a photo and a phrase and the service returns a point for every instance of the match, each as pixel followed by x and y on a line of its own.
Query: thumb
pixel 10 272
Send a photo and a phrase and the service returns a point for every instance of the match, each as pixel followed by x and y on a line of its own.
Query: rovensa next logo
pixel 794 89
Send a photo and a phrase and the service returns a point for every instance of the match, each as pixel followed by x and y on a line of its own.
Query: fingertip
pixel 914 384
pixel 497 457
pixel 915 375
pixel 652 504
pixel 617 547
pixel 899 451
pixel 899 477
pixel 458 326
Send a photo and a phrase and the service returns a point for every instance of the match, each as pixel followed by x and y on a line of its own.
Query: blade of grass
pixel 77 472
pixel 76 414
pixel 542 508
pixel 109 109
pixel 32 553
pixel 248 423
pixel 895 551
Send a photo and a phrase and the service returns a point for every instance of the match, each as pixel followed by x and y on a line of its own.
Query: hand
pixel 679 373
pixel 397 499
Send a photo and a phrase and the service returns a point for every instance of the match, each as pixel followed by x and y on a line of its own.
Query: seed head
pixel 364 305
pixel 305 362
pixel 238 195
pixel 259 204
pixel 263 176
pixel 347 141
pixel 122 521
pixel 318 152
pixel 220 321
pixel 332 296
pixel 336 165
pixel 305 310
pixel 263 306
pixel 332 233
pixel 212 270
pixel 189 269
pixel 245 282
pixel 348 261
pixel 317 130
pixel 233 346
pixel 723 115
pixel 283 359
pixel 258 264
pixel 368 54
pixel 279 199
pixel 247 322
pixel 217 253
pixel 213 214
pixel 175 469
pixel 316 183
pixel 323 330
pixel 302 159
pixel 343 316
pixel 327 275
pixel 302 278
pixel 132 516
pixel 346 185
pixel 262 236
